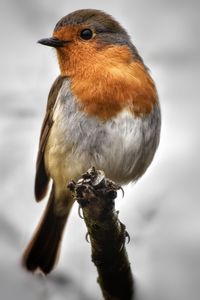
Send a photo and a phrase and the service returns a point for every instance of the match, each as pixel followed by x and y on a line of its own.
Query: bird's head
pixel 89 36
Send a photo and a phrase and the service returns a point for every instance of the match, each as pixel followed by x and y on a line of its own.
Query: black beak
pixel 52 42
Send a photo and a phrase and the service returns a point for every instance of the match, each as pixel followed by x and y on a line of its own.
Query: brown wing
pixel 41 177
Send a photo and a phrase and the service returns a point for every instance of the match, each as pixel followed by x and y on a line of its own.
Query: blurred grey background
pixel 161 211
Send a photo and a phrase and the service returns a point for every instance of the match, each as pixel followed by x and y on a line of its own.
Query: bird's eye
pixel 86 34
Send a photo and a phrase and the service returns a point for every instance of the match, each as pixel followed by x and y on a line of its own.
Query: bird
pixel 103 110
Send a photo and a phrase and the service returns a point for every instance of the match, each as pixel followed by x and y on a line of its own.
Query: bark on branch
pixel 95 195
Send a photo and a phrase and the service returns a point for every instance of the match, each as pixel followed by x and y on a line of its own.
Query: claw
pixel 127 236
pixel 120 188
pixel 79 212
pixel 87 237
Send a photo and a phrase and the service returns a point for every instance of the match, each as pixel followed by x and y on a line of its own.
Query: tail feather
pixel 43 250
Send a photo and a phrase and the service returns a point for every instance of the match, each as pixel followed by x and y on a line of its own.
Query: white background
pixel 161 211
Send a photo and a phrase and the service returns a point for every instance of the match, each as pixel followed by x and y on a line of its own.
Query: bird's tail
pixel 42 251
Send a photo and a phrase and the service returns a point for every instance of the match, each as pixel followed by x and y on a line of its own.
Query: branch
pixel 95 195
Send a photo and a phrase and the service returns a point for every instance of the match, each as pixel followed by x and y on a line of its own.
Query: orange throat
pixel 108 80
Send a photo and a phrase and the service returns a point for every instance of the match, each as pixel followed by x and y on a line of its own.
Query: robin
pixel 102 111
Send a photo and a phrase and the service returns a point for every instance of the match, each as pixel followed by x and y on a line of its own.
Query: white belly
pixel 122 147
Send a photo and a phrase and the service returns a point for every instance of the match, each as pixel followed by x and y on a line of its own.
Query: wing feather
pixel 41 176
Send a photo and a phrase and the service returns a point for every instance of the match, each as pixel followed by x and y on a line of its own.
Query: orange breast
pixel 108 80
